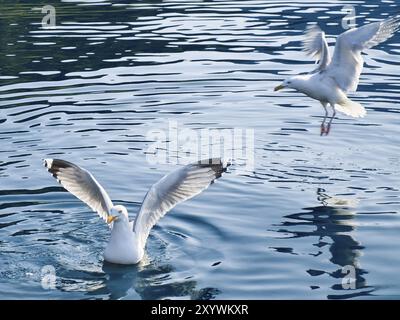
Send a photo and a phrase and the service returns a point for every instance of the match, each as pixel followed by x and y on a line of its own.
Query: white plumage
pixel 128 239
pixel 334 78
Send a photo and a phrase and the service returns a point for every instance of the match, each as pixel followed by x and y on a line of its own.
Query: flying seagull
pixel 128 238
pixel 334 78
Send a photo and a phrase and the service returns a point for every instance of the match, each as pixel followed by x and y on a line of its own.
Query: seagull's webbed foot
pixel 323 129
pixel 328 129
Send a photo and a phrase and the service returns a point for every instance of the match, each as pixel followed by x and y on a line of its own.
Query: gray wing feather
pixel 315 45
pixel 178 186
pixel 81 184
pixel 347 62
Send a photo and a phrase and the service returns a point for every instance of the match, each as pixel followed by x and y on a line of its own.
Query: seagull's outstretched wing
pixel 177 186
pixel 315 45
pixel 347 62
pixel 81 184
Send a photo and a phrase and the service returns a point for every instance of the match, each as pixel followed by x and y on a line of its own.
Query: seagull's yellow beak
pixel 280 87
pixel 111 218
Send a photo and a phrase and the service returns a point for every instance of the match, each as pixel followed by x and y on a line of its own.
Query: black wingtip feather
pixel 216 164
pixel 54 165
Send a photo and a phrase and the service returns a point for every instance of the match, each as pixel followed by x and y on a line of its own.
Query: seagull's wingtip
pixel 48 163
pixel 226 162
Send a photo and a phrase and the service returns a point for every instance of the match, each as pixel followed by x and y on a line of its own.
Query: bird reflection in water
pixel 334 220
pixel 148 280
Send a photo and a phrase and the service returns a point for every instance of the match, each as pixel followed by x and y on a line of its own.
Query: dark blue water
pixel 90 91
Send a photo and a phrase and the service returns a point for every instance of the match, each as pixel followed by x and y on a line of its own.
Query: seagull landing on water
pixel 128 238
pixel 333 79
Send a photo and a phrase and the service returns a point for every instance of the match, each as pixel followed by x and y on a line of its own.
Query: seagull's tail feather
pixel 351 108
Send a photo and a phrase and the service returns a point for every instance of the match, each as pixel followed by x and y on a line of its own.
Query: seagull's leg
pixel 325 117
pixel 330 121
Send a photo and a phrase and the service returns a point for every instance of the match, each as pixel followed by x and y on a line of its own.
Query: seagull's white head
pixel 118 213
pixel 292 83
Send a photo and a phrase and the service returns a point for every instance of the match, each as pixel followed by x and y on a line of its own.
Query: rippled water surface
pixel 92 88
